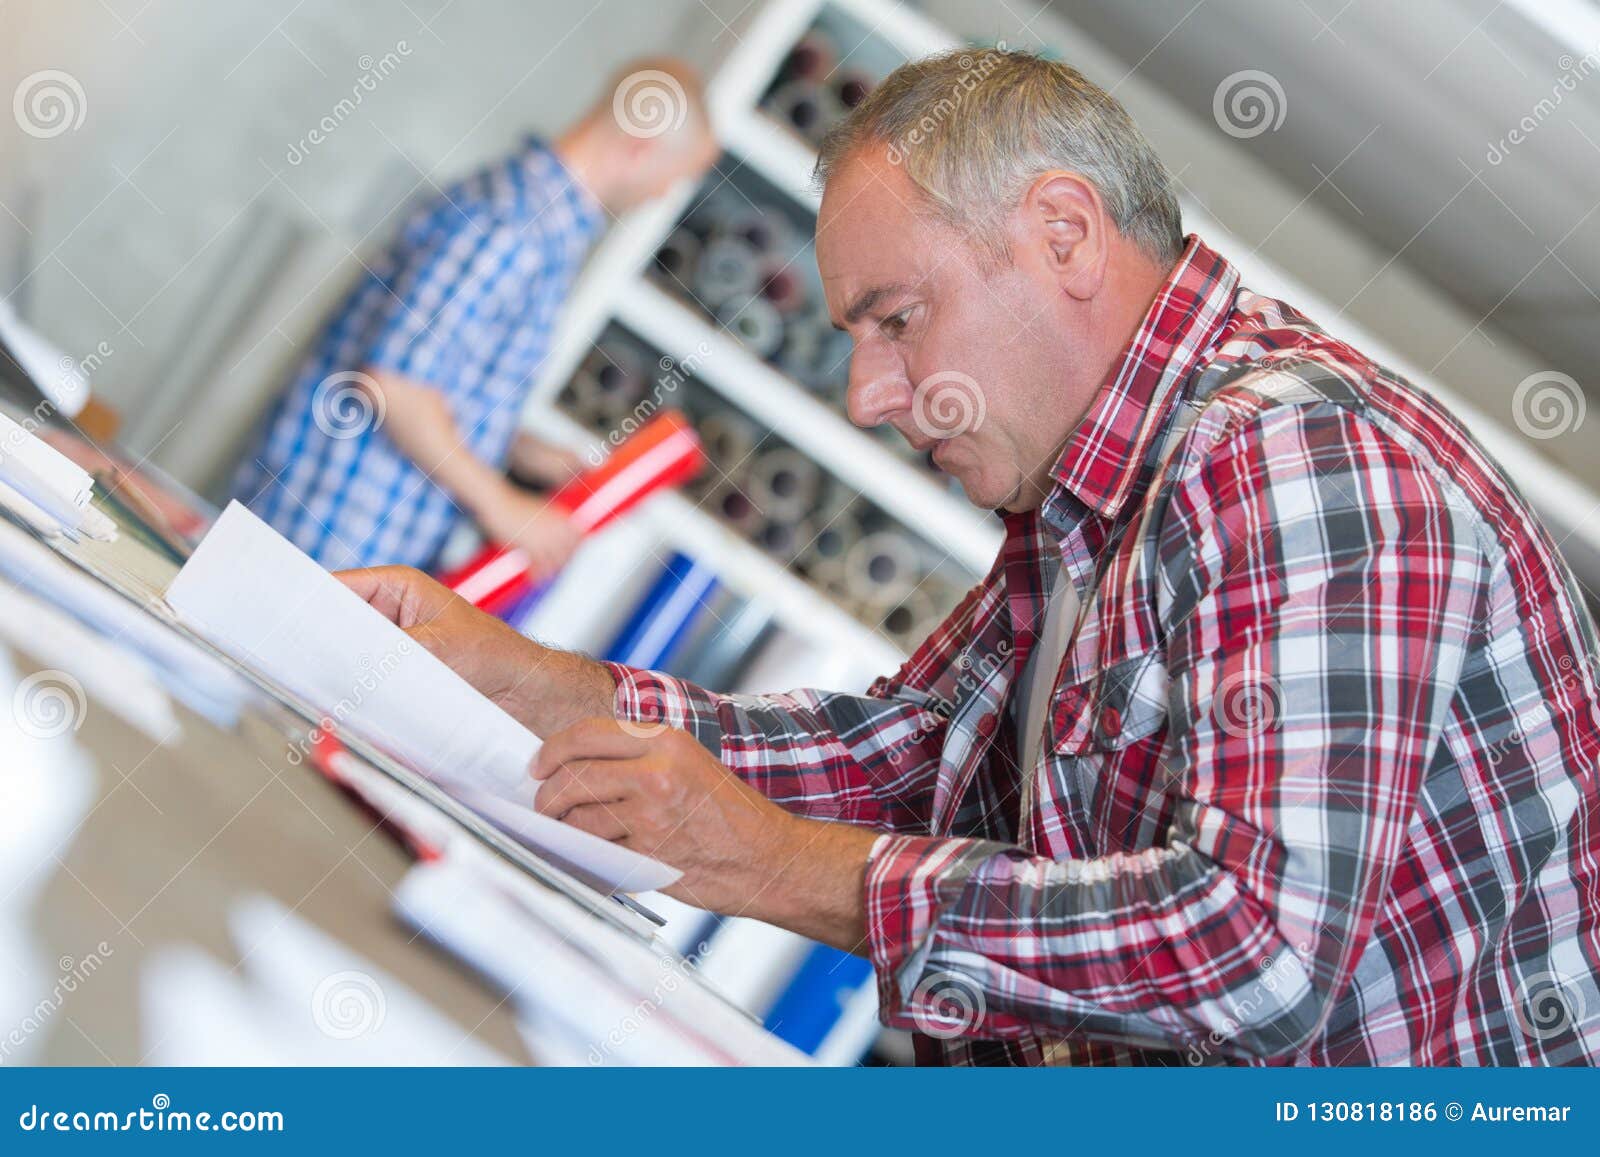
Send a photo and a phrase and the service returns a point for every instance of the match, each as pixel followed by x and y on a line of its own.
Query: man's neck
pixel 581 153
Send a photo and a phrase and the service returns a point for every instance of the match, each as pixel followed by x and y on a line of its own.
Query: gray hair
pixel 973 128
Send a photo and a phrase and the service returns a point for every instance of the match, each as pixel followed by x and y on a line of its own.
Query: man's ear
pixel 1064 222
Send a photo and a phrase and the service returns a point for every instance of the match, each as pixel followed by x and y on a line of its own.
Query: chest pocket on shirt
pixel 1106 802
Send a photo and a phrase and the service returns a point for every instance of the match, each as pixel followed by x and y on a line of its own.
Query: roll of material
pixel 619 371
pixel 911 620
pixel 783 539
pixel 784 484
pixel 731 506
pixel 831 542
pixel 806 107
pixel 812 57
pixel 881 568
pixel 850 88
pixel 678 258
pixel 591 403
pixel 784 288
pixel 722 653
pixel 729 270
pixel 813 353
pixel 729 439
pixel 756 323
pixel 765 230
pixel 665 616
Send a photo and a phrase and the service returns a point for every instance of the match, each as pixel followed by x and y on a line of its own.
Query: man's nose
pixel 879 387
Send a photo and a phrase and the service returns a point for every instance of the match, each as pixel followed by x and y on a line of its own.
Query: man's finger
pixel 598 820
pixel 581 782
pixel 596 738
pixel 384 588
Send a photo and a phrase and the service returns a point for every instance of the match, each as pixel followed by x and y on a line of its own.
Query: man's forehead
pixel 857 245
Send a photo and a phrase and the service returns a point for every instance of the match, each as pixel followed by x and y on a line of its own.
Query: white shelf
pixel 774 153
pixel 816 429
pixel 763 45
pixel 743 566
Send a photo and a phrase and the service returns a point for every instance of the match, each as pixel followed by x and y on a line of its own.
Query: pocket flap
pixel 1121 705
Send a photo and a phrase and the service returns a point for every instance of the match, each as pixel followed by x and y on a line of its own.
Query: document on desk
pixel 257 598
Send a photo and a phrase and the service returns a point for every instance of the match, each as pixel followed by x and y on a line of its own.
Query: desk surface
pixel 145 836
pixel 175 837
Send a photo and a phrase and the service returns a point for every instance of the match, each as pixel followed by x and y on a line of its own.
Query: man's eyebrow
pixel 867 301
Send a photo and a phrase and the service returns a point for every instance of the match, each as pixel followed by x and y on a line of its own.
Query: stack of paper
pixel 47 481
pixel 264 603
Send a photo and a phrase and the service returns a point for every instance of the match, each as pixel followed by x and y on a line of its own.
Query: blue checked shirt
pixel 465 300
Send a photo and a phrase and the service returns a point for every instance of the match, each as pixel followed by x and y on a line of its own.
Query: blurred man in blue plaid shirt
pixel 404 418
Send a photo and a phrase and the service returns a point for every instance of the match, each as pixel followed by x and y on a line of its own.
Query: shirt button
pixel 1110 722
pixel 986 726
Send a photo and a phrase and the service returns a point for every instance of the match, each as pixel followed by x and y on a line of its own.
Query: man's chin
pixel 983 494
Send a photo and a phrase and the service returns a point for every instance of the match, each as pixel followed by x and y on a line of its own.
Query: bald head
pixel 645 132
pixel 656 98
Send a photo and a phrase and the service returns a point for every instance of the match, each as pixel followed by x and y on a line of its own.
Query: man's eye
pixel 895 324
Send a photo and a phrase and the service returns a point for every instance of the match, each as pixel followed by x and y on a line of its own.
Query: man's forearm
pixel 816 882
pixel 558 688
pixel 418 421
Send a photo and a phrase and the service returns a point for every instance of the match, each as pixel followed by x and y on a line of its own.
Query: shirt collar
pixel 1107 450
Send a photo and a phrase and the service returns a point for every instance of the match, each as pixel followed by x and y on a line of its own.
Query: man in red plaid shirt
pixel 1271 736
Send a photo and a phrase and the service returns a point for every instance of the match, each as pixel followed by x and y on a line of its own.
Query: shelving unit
pixel 848 453
pixel 680 524
pixel 616 290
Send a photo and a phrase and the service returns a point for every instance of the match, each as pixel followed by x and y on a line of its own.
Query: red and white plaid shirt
pixel 1319 785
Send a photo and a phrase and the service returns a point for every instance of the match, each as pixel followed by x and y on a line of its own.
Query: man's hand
pixel 543 688
pixel 657 791
pixel 546 535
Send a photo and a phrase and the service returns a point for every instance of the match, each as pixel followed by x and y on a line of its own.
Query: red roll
pixel 665 452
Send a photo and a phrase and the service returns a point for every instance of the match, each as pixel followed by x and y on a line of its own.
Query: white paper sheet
pixel 263 602
pixel 39 476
